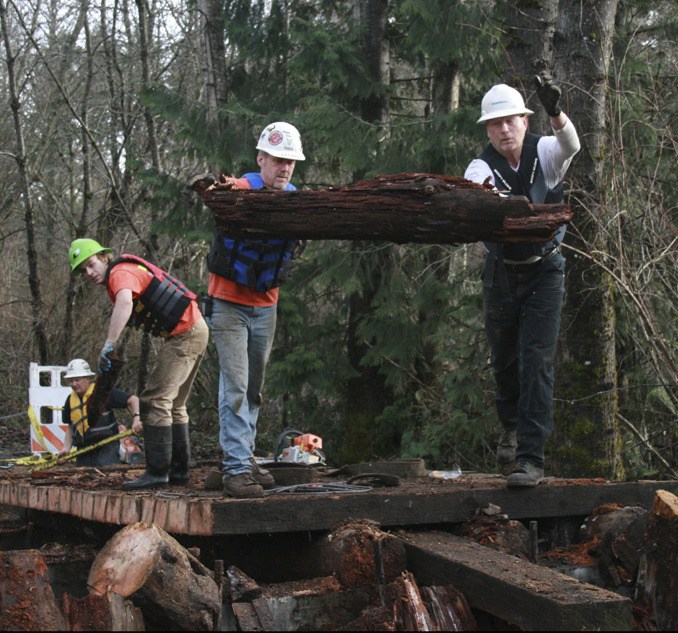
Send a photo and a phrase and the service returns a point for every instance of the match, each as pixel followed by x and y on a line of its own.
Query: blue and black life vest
pixel 528 181
pixel 160 307
pixel 257 264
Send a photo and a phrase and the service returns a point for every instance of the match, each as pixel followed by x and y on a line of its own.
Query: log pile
pixel 400 208
pixel 141 579
pixel 367 569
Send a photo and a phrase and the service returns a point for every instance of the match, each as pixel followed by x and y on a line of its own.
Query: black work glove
pixel 548 93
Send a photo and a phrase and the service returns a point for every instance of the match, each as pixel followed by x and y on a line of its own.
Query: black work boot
pixel 181 455
pixel 525 475
pixel 158 449
pixel 506 451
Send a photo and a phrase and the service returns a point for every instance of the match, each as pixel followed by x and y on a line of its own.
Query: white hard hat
pixel 281 140
pixel 78 368
pixel 500 101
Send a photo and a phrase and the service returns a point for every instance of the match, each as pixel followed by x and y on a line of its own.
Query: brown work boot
pixel 525 475
pixel 242 486
pixel 262 476
pixel 506 452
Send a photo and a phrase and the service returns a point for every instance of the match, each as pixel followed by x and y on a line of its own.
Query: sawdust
pixel 584 554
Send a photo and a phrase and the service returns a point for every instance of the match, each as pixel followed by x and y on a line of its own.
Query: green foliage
pixel 422 330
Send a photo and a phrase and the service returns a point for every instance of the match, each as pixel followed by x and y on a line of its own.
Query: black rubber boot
pixel 181 455
pixel 158 449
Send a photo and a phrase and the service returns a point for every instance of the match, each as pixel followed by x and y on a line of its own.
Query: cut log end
pixel 126 561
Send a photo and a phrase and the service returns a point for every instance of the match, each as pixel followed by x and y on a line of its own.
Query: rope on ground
pixel 317 488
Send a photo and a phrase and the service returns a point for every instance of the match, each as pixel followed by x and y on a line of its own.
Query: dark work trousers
pixel 522 320
pixel 107 455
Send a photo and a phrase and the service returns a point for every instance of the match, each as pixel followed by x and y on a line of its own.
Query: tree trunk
pixel 142 562
pixel 152 244
pixel 109 612
pixel 359 555
pixel 214 53
pixel 27 602
pixel 587 438
pixel 366 393
pixel 657 585
pixel 528 44
pixel 38 325
pixel 373 16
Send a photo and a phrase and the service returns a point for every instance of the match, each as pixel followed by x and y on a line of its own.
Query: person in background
pixel 523 284
pixel 147 297
pixel 243 293
pixel 83 432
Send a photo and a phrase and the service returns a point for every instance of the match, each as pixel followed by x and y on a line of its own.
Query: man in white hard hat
pixel 83 432
pixel 523 284
pixel 243 296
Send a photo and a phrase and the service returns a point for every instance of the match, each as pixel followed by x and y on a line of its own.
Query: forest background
pixel 111 106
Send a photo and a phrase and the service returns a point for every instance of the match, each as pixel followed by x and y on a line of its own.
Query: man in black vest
pixel 523 284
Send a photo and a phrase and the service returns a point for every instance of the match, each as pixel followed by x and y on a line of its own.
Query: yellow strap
pixel 36 427
pixel 27 461
pixel 87 449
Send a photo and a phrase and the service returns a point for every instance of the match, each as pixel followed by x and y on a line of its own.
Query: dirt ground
pixel 14 437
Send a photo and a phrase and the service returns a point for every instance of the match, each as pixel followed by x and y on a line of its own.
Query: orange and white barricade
pixel 46 396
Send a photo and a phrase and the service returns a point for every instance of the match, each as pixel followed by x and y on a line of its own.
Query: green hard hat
pixel 82 249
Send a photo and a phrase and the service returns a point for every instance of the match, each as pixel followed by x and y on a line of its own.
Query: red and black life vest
pixel 160 307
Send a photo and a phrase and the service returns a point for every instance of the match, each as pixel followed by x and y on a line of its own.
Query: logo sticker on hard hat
pixel 275 138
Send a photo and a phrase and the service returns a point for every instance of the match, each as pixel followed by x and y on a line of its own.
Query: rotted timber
pixel 400 208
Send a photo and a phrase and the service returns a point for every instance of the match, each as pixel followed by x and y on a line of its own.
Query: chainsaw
pixel 129 451
pixel 302 448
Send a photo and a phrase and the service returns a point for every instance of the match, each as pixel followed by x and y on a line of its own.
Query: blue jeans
pixel 243 336
pixel 522 330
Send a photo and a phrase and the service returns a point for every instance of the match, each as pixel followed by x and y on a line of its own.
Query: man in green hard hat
pixel 147 297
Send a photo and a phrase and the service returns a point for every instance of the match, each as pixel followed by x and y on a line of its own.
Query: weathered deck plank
pixel 529 596
pixel 420 504
pixel 414 503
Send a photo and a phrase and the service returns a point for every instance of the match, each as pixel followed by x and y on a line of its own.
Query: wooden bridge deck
pixel 415 502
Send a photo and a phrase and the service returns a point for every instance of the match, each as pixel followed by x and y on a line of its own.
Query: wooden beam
pixel 529 596
pixel 452 501
pixel 400 208
pixel 415 502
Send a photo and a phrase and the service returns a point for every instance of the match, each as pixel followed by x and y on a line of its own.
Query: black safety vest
pixel 160 307
pixel 527 181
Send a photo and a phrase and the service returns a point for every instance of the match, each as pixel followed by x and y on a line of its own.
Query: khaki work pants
pixel 163 401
